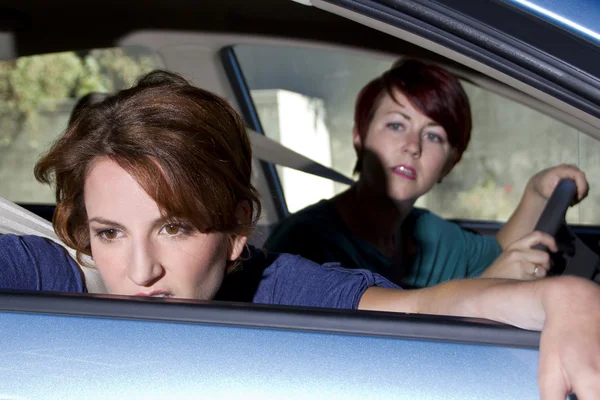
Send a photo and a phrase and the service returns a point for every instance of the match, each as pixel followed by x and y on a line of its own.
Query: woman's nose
pixel 412 144
pixel 144 267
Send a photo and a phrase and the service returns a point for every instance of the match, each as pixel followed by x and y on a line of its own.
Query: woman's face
pixel 404 152
pixel 139 252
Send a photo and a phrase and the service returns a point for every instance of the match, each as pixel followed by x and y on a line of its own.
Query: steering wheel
pixel 573 257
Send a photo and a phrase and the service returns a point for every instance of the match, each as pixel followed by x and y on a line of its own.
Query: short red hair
pixel 433 90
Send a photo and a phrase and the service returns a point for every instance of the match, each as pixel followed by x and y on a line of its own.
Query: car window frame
pixel 251 315
pixel 241 91
pixel 473 29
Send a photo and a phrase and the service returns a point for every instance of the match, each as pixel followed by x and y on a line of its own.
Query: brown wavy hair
pixel 186 147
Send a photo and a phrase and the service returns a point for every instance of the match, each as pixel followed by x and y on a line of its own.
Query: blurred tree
pixel 32 85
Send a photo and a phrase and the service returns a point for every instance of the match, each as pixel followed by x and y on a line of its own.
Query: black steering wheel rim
pixel 573 257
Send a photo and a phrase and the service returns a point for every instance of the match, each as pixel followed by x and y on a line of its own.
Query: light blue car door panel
pixel 60 357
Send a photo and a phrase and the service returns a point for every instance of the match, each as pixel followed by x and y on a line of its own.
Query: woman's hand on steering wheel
pixel 544 182
pixel 521 261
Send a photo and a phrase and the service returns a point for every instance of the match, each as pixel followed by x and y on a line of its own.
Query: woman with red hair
pixel 411 126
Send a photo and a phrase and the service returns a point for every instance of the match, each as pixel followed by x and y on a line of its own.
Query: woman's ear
pixel 243 215
pixel 357 141
pixel 236 246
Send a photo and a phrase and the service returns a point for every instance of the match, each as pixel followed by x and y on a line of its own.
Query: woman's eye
pixel 434 137
pixel 172 229
pixel 108 234
pixel 395 126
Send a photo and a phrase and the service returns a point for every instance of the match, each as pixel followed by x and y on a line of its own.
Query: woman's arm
pixel 36 263
pixel 566 309
pixel 521 261
pixel 536 195
pixel 477 298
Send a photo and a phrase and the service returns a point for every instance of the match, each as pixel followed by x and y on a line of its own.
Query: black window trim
pixel 457 26
pixel 241 91
pixel 249 315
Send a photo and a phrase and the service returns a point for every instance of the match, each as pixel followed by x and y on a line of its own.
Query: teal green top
pixel 444 250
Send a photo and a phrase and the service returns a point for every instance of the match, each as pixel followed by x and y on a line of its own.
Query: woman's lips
pixel 405 171
pixel 155 293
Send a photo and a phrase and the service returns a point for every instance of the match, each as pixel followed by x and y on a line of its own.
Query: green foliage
pixel 114 69
pixel 32 85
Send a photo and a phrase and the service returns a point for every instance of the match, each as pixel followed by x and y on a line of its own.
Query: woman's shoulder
pixel 424 219
pixel 305 227
pixel 29 246
pixel 426 215
pixel 32 262
pixel 431 228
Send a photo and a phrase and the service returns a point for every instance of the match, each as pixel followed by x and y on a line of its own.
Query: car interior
pixel 293 69
pixel 322 59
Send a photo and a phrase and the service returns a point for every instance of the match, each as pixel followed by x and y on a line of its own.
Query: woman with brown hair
pixel 85 101
pixel 154 184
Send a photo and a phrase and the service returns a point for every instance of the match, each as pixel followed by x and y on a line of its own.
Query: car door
pixel 67 347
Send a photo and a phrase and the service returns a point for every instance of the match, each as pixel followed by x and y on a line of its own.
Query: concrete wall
pixel 297 122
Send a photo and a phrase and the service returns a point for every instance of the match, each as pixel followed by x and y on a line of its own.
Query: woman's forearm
pixel 535 197
pixel 522 304
pixel 523 219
